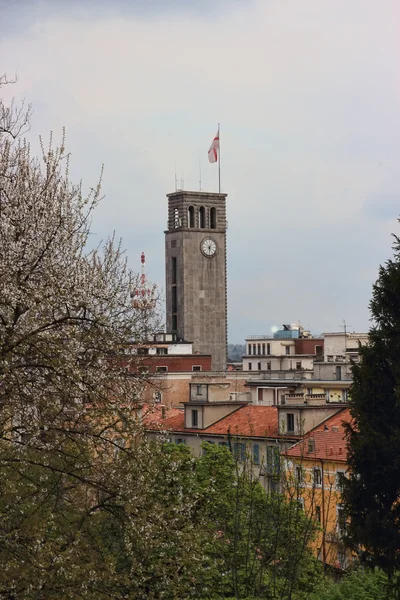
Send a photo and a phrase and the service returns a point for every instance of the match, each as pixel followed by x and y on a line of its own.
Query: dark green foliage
pixel 260 540
pixel 363 584
pixel 371 495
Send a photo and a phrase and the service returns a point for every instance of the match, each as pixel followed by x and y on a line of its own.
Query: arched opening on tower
pixel 213 218
pixel 191 216
pixel 177 219
pixel 202 217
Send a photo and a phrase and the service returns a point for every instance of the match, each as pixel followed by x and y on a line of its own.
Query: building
pixel 343 346
pixel 315 468
pixel 165 353
pixel 195 268
pixel 288 349
pixel 251 432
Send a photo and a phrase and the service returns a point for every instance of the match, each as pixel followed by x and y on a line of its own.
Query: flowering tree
pixel 72 476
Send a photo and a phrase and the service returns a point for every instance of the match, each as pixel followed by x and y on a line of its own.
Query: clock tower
pixel 195 269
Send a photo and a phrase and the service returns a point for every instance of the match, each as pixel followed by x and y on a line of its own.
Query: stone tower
pixel 195 268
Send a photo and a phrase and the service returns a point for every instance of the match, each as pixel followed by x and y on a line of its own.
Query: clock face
pixel 208 247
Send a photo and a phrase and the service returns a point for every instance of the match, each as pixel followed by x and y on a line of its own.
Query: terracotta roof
pixel 329 441
pixel 152 416
pixel 247 421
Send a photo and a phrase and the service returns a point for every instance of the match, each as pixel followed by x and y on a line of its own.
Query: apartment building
pixel 288 349
pixel 315 468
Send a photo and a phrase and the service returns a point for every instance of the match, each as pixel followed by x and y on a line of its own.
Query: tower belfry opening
pixel 195 270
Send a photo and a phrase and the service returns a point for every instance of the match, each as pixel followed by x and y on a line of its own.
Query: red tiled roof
pixel 329 440
pixel 152 416
pixel 247 421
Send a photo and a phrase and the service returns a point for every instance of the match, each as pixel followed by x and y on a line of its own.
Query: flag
pixel 214 149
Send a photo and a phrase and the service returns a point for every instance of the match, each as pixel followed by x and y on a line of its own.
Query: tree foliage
pixel 75 483
pixel 372 492
pixel 362 584
pixel 88 507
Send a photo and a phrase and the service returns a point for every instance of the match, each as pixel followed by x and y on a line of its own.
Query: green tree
pixel 262 540
pixel 87 508
pixel 372 491
pixel 362 584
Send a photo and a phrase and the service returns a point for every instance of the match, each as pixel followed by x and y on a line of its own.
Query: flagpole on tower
pixel 219 160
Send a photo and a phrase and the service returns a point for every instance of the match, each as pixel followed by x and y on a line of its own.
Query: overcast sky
pixel 308 96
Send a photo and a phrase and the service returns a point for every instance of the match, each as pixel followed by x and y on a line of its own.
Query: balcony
pixel 282 375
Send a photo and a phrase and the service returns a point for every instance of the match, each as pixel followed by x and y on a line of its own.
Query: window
pixel 191 216
pixel 239 451
pixel 162 369
pixel 317 476
pixel 260 394
pixel 143 351
pixel 338 373
pixel 268 348
pixel 340 477
pixel 311 445
pixel 287 349
pixel 258 349
pixel 254 349
pixel 174 299
pixel 174 323
pixel 290 422
pixel 300 503
pixel 213 218
pixel 263 349
pixel 318 514
pixel 195 418
pixel 202 217
pixel 299 474
pixel 341 520
pixel 199 390
pixel 273 460
pixel 226 444
pixel 259 366
pixel 318 350
pixel 256 454
pixel 162 351
pixel 298 364
pixel 173 274
pixel 177 219
pixel 196 368
pixel 250 366
pixel 249 350
pixel 268 365
pixel 180 441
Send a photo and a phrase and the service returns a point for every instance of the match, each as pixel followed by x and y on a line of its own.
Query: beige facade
pixel 341 347
pixel 172 389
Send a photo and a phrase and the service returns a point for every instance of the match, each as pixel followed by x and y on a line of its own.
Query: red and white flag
pixel 214 150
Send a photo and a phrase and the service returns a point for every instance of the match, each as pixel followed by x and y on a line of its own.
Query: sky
pixel 308 96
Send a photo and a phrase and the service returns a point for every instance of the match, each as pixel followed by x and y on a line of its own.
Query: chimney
pixel 163 411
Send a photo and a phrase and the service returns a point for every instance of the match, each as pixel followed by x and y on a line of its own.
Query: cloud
pixel 308 97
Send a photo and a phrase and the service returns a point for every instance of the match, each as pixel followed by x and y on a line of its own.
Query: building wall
pixel 305 418
pixel 322 503
pixel 266 470
pixel 278 363
pixel 309 345
pixel 175 387
pixel 176 363
pixel 200 281
pixel 336 344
